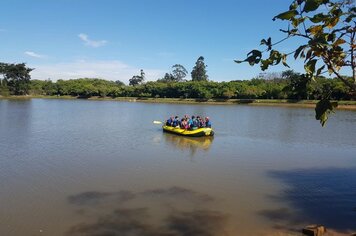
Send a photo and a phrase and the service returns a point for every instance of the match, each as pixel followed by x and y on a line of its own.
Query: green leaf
pixel 297 52
pixel 238 62
pixel 330 23
pixel 315 29
pixel 286 15
pixel 308 55
pixel 297 21
pixel 320 70
pixel 318 18
pixel 267 42
pixel 293 6
pixel 275 57
pixel 339 42
pixel 254 57
pixel 310 66
pixel 284 60
pixel 320 39
pixel 302 55
pixel 265 64
pixel 312 5
pixel 331 37
pixel 255 53
pixel 337 12
pixel 323 108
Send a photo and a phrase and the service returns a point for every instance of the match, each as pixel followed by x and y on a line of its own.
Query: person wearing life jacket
pixel 169 122
pixel 184 124
pixel 207 122
pixel 195 123
pixel 190 122
pixel 201 122
pixel 176 122
pixel 198 121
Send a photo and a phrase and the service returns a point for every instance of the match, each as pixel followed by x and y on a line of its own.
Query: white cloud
pixel 110 70
pixel 33 54
pixel 91 43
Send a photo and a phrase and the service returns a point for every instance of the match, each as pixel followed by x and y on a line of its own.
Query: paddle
pixel 157 122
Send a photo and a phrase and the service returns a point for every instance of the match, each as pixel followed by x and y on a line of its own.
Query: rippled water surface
pixel 77 167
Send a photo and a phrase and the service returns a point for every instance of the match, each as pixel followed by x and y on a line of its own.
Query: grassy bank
pixel 348 105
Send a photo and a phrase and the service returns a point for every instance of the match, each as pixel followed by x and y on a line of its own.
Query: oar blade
pixel 157 122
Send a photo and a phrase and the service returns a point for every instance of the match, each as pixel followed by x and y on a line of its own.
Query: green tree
pixel 199 70
pixel 327 28
pixel 17 77
pixel 50 88
pixel 167 78
pixel 4 91
pixel 227 90
pixel 36 87
pixel 137 79
pixel 119 83
pixel 297 85
pixel 179 72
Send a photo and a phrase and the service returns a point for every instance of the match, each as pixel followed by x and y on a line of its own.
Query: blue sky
pixel 111 39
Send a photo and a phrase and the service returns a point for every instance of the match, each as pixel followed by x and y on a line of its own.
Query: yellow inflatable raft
pixel 200 132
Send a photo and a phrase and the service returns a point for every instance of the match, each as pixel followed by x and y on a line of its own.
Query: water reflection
pixel 193 144
pixel 129 213
pixel 16 117
pixel 321 196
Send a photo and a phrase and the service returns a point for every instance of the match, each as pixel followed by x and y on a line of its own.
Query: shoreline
pixel 343 105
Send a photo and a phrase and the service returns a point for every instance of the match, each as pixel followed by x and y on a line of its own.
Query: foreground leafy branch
pixel 328 30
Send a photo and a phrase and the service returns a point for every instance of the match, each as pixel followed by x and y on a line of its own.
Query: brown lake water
pixel 77 167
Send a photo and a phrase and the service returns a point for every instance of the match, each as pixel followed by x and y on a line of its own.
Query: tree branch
pixel 295 34
pixel 330 66
pixel 280 41
pixel 301 14
pixel 353 63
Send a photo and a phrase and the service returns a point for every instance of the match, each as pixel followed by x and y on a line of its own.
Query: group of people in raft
pixel 188 123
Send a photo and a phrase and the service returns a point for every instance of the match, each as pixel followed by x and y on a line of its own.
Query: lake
pixel 78 167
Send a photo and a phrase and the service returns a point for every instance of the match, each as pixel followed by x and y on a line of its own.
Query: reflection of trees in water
pixel 321 196
pixel 121 213
pixel 193 144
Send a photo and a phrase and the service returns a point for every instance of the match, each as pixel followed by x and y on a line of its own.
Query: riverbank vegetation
pixel 258 88
pixel 287 85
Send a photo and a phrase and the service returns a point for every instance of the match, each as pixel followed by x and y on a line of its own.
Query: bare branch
pixel 281 40
pixel 295 34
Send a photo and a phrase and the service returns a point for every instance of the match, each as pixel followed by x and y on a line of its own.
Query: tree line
pixel 15 80
pixel 286 85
